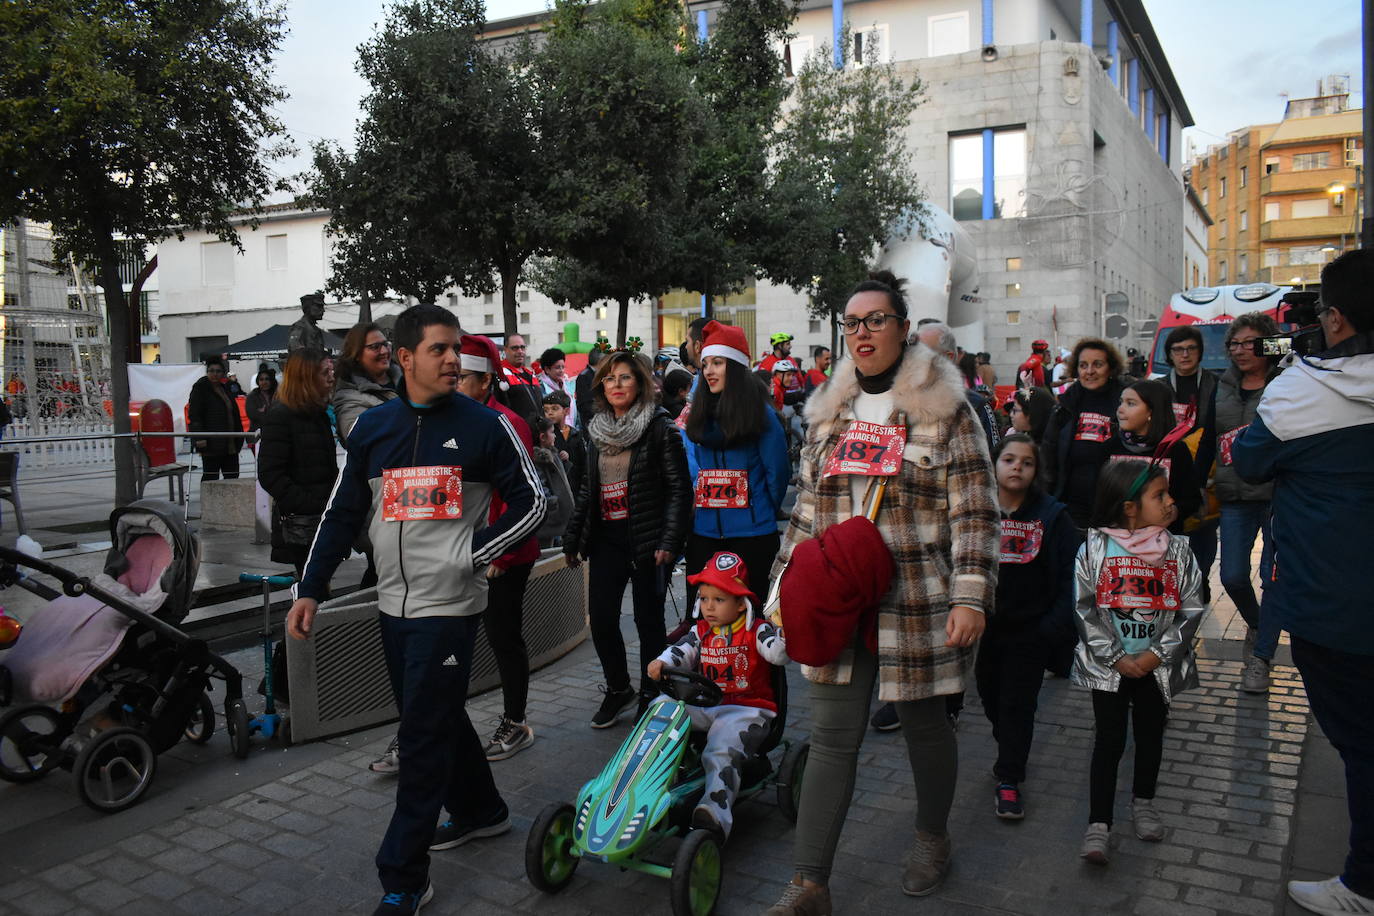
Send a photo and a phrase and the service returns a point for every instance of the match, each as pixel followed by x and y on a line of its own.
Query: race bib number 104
pixel 422 494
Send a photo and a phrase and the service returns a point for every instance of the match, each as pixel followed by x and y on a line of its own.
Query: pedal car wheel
pixel 790 775
pixel 30 743
pixel 236 723
pixel 114 769
pixel 549 862
pixel 201 726
pixel 696 875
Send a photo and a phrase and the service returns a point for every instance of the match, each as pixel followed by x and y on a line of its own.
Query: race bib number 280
pixel 868 449
pixel 422 494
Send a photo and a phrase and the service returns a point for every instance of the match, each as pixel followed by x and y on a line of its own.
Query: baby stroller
pixel 106 680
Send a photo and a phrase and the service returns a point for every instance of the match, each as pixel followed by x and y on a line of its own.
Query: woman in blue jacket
pixel 737 457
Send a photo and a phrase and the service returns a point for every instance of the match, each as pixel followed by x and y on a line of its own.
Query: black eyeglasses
pixel 874 322
pixel 377 347
pixel 1183 348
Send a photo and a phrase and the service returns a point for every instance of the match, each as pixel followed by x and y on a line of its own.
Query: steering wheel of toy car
pixel 690 687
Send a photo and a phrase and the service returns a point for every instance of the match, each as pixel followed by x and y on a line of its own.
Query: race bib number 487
pixel 869 449
pixel 422 494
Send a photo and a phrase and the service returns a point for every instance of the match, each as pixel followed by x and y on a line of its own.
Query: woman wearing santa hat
pixel 631 518
pixel 737 458
pixel 893 423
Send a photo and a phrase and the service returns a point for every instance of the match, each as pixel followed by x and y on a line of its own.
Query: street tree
pixel 447 183
pixel 136 120
pixel 842 179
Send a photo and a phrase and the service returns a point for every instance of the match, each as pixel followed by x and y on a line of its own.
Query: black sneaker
pixel 404 903
pixel 1009 806
pixel 885 719
pixel 452 833
pixel 613 704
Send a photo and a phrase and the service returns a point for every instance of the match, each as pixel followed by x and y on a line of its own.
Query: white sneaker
pixel 389 764
pixel 511 738
pixel 1096 842
pixel 1330 898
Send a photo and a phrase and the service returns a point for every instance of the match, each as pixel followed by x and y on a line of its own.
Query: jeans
pixel 429 660
pixel 610 567
pixel 1009 671
pixel 504 619
pixel 1139 700
pixel 1241 523
pixel 839 715
pixel 1338 686
pixel 1203 542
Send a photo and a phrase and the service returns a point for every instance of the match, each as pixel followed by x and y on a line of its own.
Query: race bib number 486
pixel 422 494
pixel 869 449
pixel 615 501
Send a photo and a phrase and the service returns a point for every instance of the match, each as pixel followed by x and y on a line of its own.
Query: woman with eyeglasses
pixel 630 521
pixel 366 376
pixel 1244 506
pixel 939 519
pixel 1194 389
pixel 1080 430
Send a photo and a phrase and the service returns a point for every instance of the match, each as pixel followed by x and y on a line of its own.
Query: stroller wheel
pixel 695 883
pixel 30 743
pixel 114 769
pixel 236 722
pixel 201 726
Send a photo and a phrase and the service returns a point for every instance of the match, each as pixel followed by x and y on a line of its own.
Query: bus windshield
pixel 1213 348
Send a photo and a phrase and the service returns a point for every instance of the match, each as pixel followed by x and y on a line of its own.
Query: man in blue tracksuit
pixel 425 465
pixel 1313 437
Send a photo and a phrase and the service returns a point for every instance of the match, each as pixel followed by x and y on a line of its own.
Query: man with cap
pixel 782 349
pixel 1031 373
pixel 732 645
pixel 424 467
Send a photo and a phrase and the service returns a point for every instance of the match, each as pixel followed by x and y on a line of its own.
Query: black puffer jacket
pixel 297 467
pixel 660 495
pixel 212 411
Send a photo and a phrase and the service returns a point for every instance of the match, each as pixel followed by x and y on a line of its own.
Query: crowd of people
pixel 1070 529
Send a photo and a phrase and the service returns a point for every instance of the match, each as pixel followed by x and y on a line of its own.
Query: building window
pixel 525 318
pixel 601 312
pixel 1222 192
pixel 1271 164
pixel 1206 196
pixel 488 298
pixel 947 34
pixel 1244 220
pixel 968 183
pixel 1271 257
pixel 1244 175
pixel 487 320
pixel 1221 229
pixel 1221 272
pixel 871 46
pixel 795 53
pixel 1354 156
pixel 276 252
pixel 1304 162
pixel 1013 317
pixel 1271 211
pixel 1013 263
pixel 1308 209
pixel 452 301
pixel 216 264
pixel 813 326
pixel 1013 290
pixel 1013 344
pixel 562 314
pixel 524 296
pixel 1244 265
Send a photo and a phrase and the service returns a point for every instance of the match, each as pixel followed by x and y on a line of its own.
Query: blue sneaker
pixel 404 903
pixel 452 833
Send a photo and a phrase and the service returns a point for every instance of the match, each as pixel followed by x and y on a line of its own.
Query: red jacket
pixel 1036 367
pixel 528 551
pixel 732 660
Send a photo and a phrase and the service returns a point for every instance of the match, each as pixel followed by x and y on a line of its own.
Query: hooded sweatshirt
pixel 1314 438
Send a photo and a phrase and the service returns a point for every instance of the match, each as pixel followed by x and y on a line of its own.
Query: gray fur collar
pixel 927 388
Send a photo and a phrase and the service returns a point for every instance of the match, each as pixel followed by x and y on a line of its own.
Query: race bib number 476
pixel 422 494
pixel 870 449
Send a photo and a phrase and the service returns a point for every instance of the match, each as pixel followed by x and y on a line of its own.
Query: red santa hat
pixel 725 340
pixel 479 354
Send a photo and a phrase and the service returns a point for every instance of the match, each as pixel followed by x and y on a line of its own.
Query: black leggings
pixel 1140 699
pixel 504 620
pixel 1010 669
pixel 610 568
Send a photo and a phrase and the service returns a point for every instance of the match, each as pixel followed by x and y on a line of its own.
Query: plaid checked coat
pixel 939 518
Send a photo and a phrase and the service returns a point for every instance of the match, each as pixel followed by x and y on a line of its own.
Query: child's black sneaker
pixel 451 834
pixel 612 705
pixel 885 719
pixel 403 904
pixel 1009 804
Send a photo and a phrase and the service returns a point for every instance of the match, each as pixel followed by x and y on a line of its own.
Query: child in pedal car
pixel 737 650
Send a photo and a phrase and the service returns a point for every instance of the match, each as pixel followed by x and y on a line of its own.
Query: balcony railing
pixel 1311 180
pixel 1317 227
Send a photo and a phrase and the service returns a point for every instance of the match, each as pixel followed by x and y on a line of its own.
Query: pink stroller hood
pixel 148 557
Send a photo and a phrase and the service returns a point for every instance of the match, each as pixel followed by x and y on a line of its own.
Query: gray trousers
pixel 839 720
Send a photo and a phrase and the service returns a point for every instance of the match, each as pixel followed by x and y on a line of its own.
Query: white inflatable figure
pixel 940 264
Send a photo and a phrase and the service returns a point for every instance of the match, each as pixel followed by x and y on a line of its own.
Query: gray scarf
pixel 613 434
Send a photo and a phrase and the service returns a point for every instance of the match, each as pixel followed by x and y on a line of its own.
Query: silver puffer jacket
pixel 1099 647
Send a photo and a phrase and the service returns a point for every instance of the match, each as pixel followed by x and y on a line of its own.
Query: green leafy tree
pixel 135 119
pixel 842 179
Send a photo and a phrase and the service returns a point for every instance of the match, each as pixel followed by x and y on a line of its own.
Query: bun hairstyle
pixel 885 281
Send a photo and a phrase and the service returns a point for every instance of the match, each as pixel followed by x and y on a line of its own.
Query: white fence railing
pixel 71 453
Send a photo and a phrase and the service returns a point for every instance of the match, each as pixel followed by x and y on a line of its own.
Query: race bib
pixel 1021 540
pixel 1162 462
pixel 1224 443
pixel 1183 413
pixel 615 501
pixel 1093 427
pixel 1129 582
pixel 869 449
pixel 719 488
pixel 422 494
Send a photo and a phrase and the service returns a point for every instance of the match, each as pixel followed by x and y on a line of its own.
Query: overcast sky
pixel 1232 58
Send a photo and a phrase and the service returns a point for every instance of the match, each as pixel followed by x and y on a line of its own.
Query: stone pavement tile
pixel 66 877
pixel 121 869
pixel 104 894
pixel 162 885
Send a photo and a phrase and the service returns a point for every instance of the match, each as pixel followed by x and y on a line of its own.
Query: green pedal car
pixel 646 794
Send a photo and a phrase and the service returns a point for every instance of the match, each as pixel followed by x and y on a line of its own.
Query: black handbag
pixel 299 530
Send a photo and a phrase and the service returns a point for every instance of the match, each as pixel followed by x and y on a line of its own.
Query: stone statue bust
pixel 306 333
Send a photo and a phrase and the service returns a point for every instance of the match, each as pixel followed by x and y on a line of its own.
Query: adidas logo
pixel 451 662
pixel 450 444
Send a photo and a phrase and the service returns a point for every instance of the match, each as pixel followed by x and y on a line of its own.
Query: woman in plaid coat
pixel 939 519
